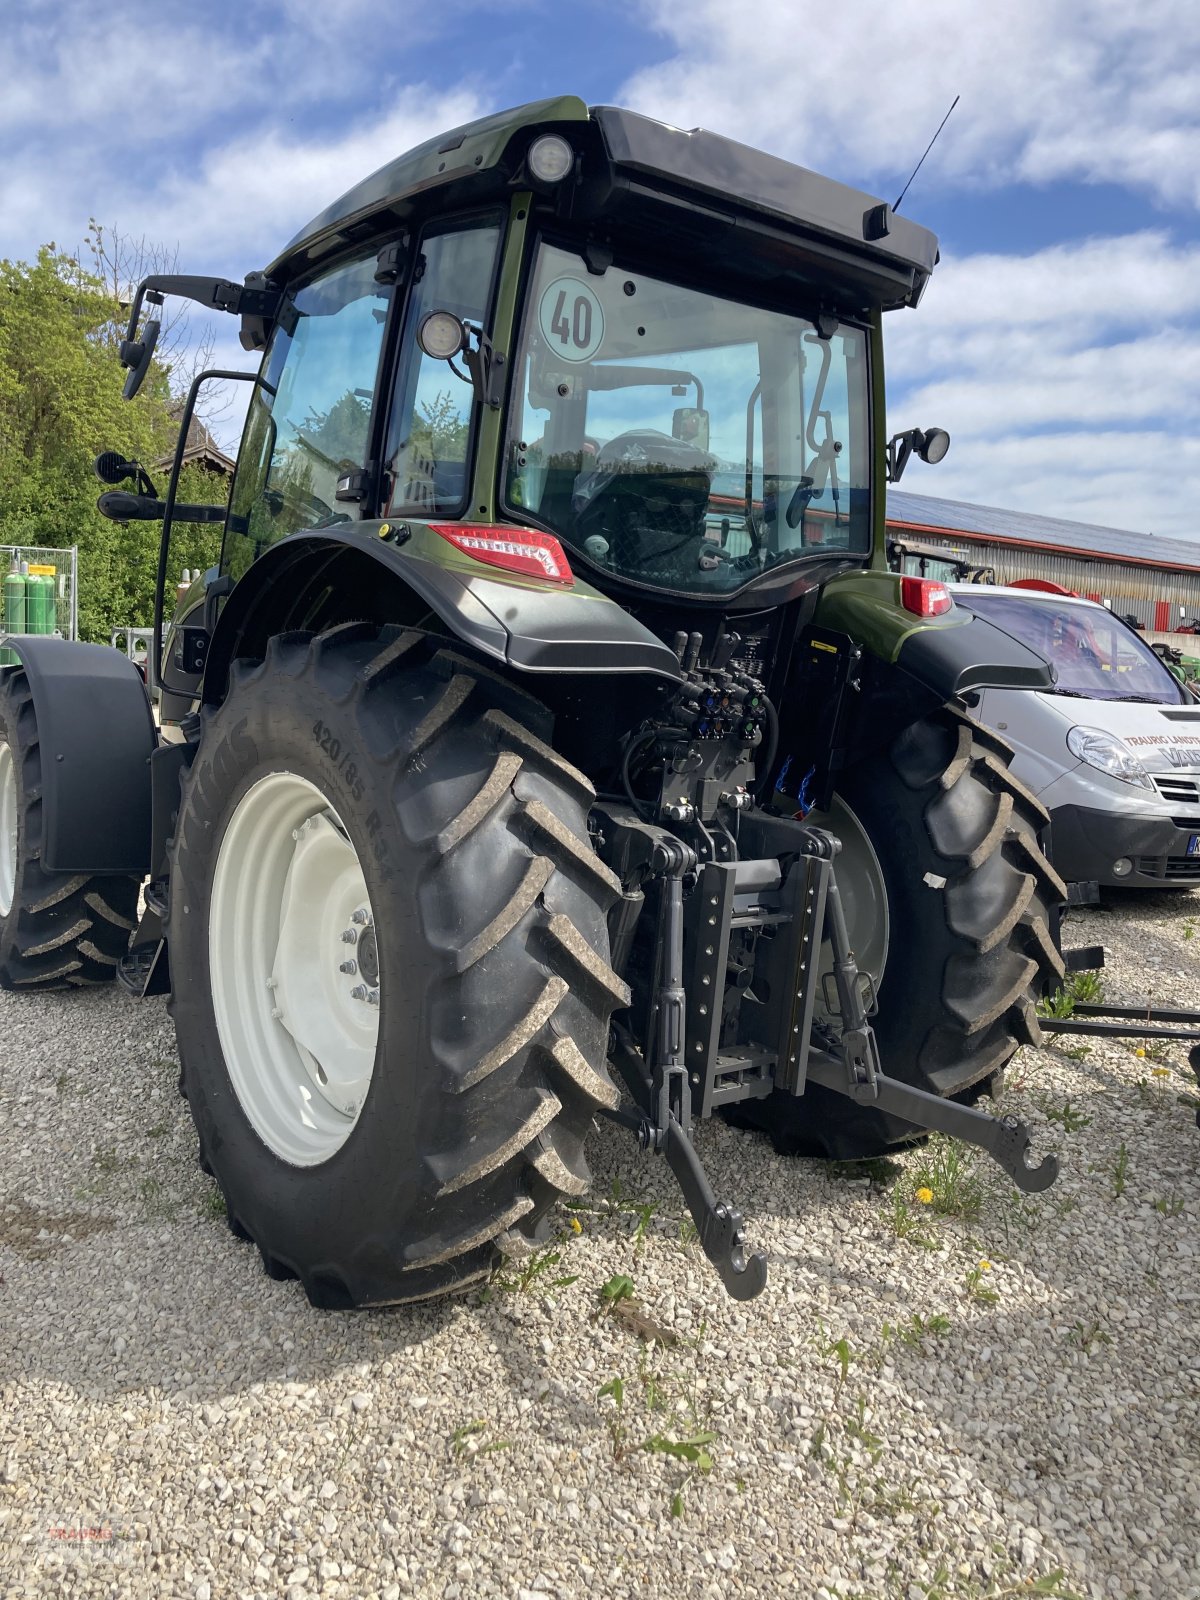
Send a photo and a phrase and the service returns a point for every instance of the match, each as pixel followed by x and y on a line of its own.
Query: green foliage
pixel 60 406
pixel 1079 988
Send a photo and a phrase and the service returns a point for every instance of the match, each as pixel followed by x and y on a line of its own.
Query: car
pixel 1112 750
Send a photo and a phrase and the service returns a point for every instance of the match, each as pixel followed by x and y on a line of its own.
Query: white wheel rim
pixel 8 829
pixel 294 969
pixel 864 896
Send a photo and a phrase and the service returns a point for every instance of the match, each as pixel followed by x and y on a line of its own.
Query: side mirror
pixel 112 467
pixel 135 354
pixel 929 444
pixel 932 445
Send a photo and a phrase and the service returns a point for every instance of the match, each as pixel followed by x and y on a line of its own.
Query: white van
pixel 1112 751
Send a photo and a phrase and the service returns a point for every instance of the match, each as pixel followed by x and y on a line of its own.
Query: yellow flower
pixel 1139 1051
pixel 985 1265
pixel 925 1196
pixel 1161 1072
pixel 576 1225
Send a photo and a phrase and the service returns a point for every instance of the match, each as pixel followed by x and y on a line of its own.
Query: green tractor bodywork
pixel 555 561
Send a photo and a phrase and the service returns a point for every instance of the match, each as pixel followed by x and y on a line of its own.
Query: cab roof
pixel 627 162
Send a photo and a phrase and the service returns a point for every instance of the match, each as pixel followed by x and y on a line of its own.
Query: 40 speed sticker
pixel 571 319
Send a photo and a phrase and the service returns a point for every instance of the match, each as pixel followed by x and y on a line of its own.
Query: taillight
pixel 925 597
pixel 527 551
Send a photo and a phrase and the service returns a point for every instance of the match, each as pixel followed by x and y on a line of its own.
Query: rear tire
pixel 58 930
pixel 969 898
pixel 490 969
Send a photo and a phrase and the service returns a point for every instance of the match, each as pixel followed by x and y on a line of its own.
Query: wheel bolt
pixel 348 966
pixel 359 992
pixel 277 1014
pixel 362 917
pixel 349 935
pixel 372 997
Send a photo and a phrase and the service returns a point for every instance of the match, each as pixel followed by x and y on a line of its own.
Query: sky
pixel 1058 340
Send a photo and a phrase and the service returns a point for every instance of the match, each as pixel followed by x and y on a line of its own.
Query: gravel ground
pixel 954 1397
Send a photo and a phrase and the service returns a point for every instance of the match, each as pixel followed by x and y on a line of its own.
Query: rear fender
pixel 950 655
pixel 97 736
pixel 405 573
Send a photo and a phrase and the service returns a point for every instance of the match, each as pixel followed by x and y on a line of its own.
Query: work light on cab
pixel 550 158
pixel 925 597
pixel 441 335
pixel 526 551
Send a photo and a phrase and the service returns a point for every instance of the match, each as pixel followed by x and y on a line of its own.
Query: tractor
pixel 553 740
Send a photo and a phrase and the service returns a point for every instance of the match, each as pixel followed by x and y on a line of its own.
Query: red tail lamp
pixel 925 597
pixel 526 551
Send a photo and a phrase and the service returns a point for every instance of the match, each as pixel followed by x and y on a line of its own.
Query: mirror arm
pixel 486 366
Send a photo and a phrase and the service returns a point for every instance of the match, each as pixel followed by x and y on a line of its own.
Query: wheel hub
pixel 295 969
pixel 8 829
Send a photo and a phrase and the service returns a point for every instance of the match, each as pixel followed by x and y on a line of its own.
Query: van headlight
pixel 1107 753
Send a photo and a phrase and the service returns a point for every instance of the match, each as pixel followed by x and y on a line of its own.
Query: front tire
pixel 58 930
pixel 384 1146
pixel 968 951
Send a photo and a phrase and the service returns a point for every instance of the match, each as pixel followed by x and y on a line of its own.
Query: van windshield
pixel 1096 656
pixel 680 439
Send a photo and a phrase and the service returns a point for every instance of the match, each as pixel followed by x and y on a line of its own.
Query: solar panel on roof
pixel 960 516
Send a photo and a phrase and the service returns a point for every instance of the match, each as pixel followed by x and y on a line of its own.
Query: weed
pixel 918 1328
pixel 618 1288
pixel 1120 1172
pixel 685 1439
pixel 468 1441
pixel 839 1350
pixel 905 1224
pixel 976 1286
pixel 1169 1207
pixel 949 1170
pixel 1088 1335
pixel 536 1273
pixel 1079 988
pixel 1074 1052
pixel 962 1584
pixel 1189 930
pixel 1069 1119
pixel 213 1205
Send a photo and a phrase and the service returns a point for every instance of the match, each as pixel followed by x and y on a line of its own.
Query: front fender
pixel 534 627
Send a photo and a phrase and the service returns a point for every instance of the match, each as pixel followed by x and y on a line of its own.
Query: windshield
pixel 681 439
pixel 1094 654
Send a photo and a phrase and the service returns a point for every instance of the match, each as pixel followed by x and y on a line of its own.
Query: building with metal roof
pixel 1153 578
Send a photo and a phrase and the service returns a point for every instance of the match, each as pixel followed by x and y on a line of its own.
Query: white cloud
pixel 246 198
pixel 1069 381
pixel 1051 89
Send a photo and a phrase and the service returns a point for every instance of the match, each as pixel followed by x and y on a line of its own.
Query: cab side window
pixel 429 434
pixel 310 415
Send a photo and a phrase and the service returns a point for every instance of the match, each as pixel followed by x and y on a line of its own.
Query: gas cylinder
pixel 14 609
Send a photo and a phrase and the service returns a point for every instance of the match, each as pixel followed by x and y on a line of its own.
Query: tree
pixel 60 406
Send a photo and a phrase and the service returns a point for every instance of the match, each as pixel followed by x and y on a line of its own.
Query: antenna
pixel 928 148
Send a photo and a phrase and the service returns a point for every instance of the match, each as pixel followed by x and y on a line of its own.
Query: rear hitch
pixel 660 1068
pixel 851 1067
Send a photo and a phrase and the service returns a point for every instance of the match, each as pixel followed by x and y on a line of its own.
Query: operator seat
pixel 647 496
